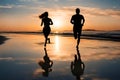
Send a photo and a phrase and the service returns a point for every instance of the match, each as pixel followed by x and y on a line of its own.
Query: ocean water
pixel 22 57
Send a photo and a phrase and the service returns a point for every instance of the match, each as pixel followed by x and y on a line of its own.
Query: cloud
pixel 33 2
pixel 84 10
pixel 54 0
pixel 28 0
pixel 7 58
pixel 13 6
pixel 21 6
pixel 94 11
pixel 40 5
pixel 6 7
pixel 100 12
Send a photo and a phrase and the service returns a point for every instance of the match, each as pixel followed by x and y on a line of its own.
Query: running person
pixel 78 21
pixel 46 29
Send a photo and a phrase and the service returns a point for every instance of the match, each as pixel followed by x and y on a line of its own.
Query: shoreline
pixel 93 36
pixel 3 39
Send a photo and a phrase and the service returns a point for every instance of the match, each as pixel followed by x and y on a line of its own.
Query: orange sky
pixel 95 18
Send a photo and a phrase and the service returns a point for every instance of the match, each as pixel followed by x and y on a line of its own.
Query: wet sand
pixel 20 57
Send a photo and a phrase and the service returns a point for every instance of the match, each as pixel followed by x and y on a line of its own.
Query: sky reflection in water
pixel 19 57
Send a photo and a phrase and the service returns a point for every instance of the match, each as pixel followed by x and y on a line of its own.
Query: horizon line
pixel 40 31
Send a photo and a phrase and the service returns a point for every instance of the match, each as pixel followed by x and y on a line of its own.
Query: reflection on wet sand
pixel 77 66
pixel 96 54
pixel 2 39
pixel 46 64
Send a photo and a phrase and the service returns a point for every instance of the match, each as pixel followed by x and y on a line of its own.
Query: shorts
pixel 46 31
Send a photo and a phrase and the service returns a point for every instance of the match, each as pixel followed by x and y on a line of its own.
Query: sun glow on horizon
pixel 57 22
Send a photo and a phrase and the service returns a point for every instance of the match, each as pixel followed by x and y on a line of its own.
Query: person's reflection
pixel 77 66
pixel 46 64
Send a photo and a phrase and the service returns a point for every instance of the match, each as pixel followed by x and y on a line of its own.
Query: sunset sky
pixel 22 15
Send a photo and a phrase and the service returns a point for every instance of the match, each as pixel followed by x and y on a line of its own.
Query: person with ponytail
pixel 46 29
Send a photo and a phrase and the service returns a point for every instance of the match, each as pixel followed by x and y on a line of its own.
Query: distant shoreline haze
pixel 87 34
pixel 64 31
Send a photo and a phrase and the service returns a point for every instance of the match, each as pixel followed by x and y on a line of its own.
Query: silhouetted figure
pixel 46 64
pixel 78 21
pixel 77 66
pixel 47 22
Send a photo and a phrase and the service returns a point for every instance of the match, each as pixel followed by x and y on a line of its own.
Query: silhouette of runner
pixel 77 66
pixel 47 22
pixel 78 21
pixel 46 64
